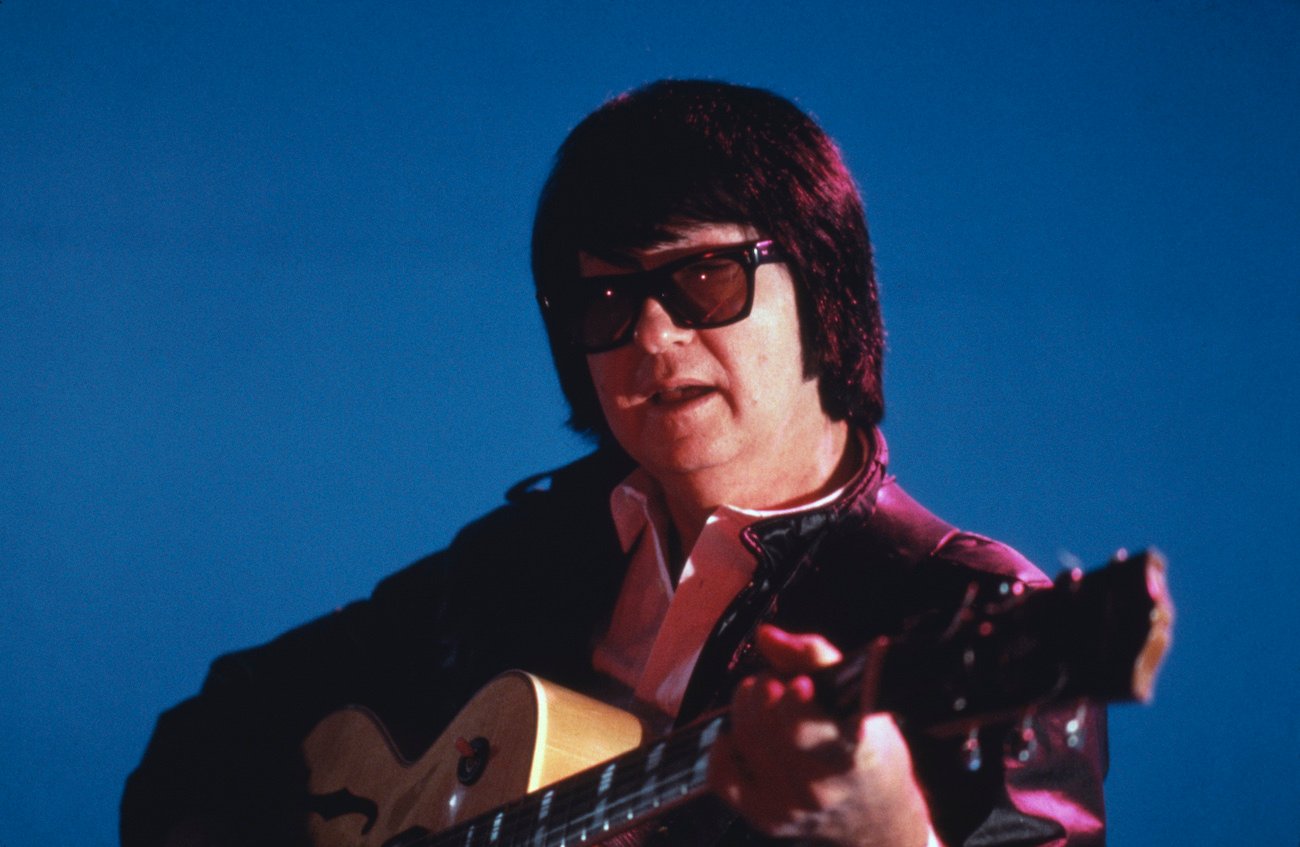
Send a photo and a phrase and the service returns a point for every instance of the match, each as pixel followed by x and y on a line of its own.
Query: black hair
pixel 676 152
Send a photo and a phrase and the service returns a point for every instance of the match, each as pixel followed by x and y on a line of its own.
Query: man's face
pixel 718 406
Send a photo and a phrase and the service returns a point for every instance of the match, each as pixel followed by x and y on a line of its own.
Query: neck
pixel 804 477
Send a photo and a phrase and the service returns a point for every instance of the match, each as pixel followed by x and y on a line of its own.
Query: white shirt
pixel 657 629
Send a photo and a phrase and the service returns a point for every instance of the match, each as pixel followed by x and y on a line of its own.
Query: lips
pixel 679 394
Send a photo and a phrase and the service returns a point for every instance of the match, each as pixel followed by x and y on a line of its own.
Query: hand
pixel 793 772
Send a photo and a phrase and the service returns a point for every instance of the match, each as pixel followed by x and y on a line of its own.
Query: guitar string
pixel 612 818
pixel 682 769
pixel 519 827
pixel 680 766
pixel 576 789
pixel 628 788
pixel 638 799
pixel 684 766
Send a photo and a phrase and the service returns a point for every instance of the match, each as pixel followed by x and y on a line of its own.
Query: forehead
pixel 686 238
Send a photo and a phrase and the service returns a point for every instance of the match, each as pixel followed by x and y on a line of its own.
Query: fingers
pixel 870 793
pixel 792 771
pixel 775 718
pixel 761 705
pixel 778 718
pixel 729 776
pixel 773 805
pixel 780 745
pixel 789 653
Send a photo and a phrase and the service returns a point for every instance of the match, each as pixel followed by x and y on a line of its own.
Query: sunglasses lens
pixel 708 293
pixel 710 290
pixel 608 315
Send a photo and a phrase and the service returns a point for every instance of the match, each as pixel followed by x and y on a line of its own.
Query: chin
pixel 685 458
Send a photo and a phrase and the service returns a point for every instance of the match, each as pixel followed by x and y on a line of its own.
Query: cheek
pixel 767 363
pixel 600 379
pixel 610 381
pixel 772 386
pixel 772 346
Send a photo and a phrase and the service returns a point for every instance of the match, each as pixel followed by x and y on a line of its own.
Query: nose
pixel 655 330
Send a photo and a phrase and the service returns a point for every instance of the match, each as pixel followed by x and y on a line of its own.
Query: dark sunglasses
pixel 701 291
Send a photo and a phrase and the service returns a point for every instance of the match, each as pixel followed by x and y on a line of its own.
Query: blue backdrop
pixel 267 333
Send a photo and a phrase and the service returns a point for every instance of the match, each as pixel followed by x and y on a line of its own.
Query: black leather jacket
pixel 529 586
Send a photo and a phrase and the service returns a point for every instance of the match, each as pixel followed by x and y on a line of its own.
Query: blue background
pixel 266 328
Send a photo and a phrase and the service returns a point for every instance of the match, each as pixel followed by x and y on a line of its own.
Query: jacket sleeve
pixel 223 766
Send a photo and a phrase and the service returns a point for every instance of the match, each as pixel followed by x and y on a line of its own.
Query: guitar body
pixel 529 734
pixel 527 762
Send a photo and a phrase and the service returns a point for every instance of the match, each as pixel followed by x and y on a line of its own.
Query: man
pixel 702 263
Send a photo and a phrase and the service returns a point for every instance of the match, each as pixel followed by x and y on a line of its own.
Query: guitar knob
pixel 1074 727
pixel 473 759
pixel 970 749
pixel 1026 738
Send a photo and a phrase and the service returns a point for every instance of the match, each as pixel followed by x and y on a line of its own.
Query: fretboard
pixel 1098 636
pixel 594 805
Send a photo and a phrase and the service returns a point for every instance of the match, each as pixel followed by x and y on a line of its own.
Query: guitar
pixel 527 762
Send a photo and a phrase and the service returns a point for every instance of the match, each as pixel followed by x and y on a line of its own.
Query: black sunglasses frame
pixel 657 283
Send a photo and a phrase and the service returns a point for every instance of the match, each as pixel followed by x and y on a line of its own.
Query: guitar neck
pixel 1099 636
pixel 594 805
